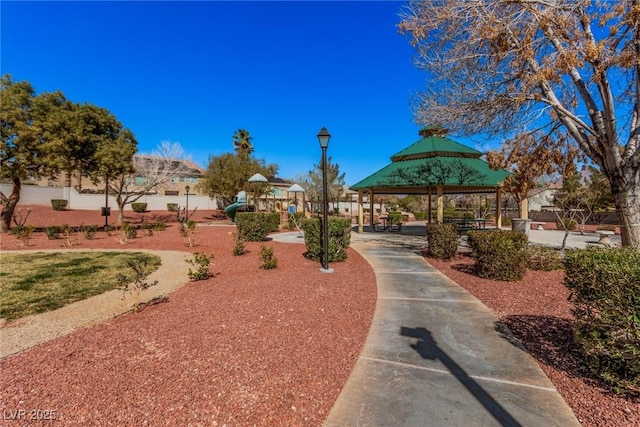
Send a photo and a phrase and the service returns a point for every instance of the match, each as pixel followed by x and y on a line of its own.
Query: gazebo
pixel 433 165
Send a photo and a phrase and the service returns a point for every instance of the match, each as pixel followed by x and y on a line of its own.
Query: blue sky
pixel 195 72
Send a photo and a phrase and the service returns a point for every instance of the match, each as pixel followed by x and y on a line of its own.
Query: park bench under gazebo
pixel 434 165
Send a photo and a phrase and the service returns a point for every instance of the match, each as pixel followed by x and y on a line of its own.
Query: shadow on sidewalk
pixel 428 348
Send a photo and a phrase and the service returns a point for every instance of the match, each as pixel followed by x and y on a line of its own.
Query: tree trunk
pixel 627 201
pixel 7 210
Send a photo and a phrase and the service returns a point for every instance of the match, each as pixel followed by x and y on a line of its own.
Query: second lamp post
pixel 323 137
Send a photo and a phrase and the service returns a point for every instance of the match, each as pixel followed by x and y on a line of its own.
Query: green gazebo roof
pixel 434 160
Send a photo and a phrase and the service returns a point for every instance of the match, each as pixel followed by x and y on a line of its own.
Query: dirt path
pixel 27 332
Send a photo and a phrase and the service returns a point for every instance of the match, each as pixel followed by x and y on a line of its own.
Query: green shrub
pixel 139 207
pixel 566 224
pixel 128 231
pixel 420 216
pixel 543 258
pixel 136 284
pixel 339 238
pixel 239 247
pixel 147 227
pixel 52 232
pixel 442 240
pixel 159 226
pixel 188 230
pixel 506 221
pixel 89 231
pixel 398 217
pixel 23 233
pixel 201 262
pixel 172 207
pixel 254 226
pixel 499 255
pixel 269 260
pixel 605 291
pixel 58 204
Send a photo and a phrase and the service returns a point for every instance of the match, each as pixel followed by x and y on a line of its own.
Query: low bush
pixel 506 221
pixel 339 238
pixel 89 231
pixel 499 255
pixel 52 232
pixel 398 217
pixel 59 204
pixel 239 247
pixel 269 260
pixel 254 226
pixel 188 231
pixel 543 258
pixel 420 216
pixel 442 240
pixel 127 232
pixel 201 262
pixel 172 207
pixel 139 207
pixel 23 233
pixel 137 283
pixel 605 291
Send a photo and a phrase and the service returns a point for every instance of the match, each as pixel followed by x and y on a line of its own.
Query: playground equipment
pixel 239 203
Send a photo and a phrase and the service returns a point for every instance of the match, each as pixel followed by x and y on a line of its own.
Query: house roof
pixel 434 160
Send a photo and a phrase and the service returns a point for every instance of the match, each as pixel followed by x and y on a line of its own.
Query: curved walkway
pixel 435 355
pixel 32 330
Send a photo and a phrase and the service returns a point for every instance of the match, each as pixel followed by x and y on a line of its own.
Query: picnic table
pixel 386 224
pixel 467 224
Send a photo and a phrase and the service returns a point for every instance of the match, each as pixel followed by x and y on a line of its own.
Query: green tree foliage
pixel 505 66
pixel 229 173
pixel 312 183
pixel 20 145
pixel 43 135
pixel 242 142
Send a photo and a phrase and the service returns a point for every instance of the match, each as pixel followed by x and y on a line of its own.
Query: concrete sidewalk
pixel 435 355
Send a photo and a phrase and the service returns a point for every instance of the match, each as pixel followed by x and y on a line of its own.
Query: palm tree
pixel 242 141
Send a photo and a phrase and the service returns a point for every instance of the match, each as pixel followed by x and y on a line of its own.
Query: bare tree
pixel 529 157
pixel 504 66
pixel 150 171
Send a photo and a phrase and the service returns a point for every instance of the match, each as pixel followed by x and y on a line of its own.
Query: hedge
pixel 442 240
pixel 605 291
pixel 499 255
pixel 254 226
pixel 339 238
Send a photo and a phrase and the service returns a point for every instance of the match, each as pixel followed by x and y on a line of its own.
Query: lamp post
pixel 186 189
pixel 323 138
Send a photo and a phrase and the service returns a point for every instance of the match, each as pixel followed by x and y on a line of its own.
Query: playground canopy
pixel 433 165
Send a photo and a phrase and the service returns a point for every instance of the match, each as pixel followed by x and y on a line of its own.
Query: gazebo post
pixel 360 212
pixel 371 208
pixel 498 210
pixel 429 219
pixel 524 208
pixel 440 217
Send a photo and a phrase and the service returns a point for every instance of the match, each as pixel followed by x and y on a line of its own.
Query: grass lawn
pixel 39 282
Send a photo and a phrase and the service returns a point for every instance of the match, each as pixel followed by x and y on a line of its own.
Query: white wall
pixel 41 196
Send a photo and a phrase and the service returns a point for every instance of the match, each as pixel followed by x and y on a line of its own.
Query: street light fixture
pixel 323 138
pixel 186 189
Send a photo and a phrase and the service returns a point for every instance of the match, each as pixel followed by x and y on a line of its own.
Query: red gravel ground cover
pixel 537 312
pixel 245 347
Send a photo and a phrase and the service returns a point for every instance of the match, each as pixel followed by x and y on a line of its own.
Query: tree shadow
pixel 428 348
